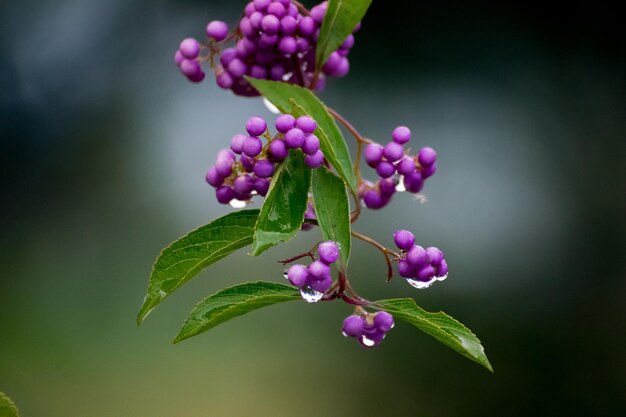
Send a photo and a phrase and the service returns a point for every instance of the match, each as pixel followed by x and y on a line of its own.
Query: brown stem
pixel 386 252
pixel 349 127
pixel 300 256
pixel 301 7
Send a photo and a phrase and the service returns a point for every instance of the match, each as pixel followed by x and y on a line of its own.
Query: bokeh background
pixel 103 149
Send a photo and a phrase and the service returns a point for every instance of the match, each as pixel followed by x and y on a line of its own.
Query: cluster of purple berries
pixel 239 180
pixel 392 162
pixel 316 276
pixel 274 40
pixel 421 267
pixel 368 329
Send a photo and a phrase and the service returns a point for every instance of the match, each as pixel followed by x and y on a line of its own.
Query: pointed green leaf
pixel 283 210
pixel 300 101
pixel 232 302
pixel 7 408
pixel 439 325
pixel 186 257
pixel 332 209
pixel 341 18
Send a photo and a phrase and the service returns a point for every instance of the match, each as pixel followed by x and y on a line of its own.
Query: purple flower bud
pixel 315 160
pixel 417 256
pixel 434 255
pixel 214 178
pixel 217 30
pixel 278 151
pixel 373 154
pixel 385 169
pixel 383 321
pixel 256 126
pixel 189 48
pixel 401 135
pixel 353 326
pixel 284 122
pixel 328 252
pixel 318 270
pixel 263 168
pixel 427 156
pixel 311 144
pixel 404 239
pixel 306 124
pixel 252 146
pixel 393 151
pixel 298 275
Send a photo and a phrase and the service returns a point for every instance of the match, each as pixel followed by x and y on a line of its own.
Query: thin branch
pixel 386 252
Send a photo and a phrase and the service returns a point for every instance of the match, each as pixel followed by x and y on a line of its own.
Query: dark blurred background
pixel 103 149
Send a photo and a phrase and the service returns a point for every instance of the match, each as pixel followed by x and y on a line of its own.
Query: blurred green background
pixel 103 150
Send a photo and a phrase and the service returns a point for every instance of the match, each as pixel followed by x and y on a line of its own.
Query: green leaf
pixel 341 18
pixel 186 257
pixel 232 302
pixel 282 213
pixel 439 325
pixel 300 101
pixel 332 209
pixel 7 408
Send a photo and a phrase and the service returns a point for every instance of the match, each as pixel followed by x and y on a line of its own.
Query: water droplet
pixel 287 76
pixel 367 342
pixel 270 106
pixel 344 333
pixel 400 187
pixel 310 295
pixel 420 285
pixel 234 203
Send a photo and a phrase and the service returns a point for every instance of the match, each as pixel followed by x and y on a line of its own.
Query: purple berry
pixel 190 48
pixel 383 321
pixel 427 156
pixel 288 45
pixel 406 166
pixel 425 273
pixel 217 30
pixel 197 77
pixel 277 72
pixel 413 182
pixel 294 138
pixel 373 199
pixel 311 144
pixel 322 285
pixel 270 24
pixel 442 269
pixel 288 25
pixel 227 56
pixel 237 68
pixel 255 20
pixel 373 154
pixel 257 71
pixel 353 326
pixel 244 184
pixel 328 252
pixel 348 43
pixel 225 154
pixel 304 45
pixel 236 143
pixel 404 239
pixel 417 256
pixel 278 150
pixel 252 146
pixel 284 122
pixel 262 185
pixel 306 26
pixel 318 12
pixel 387 186
pixel 401 135
pixel 178 57
pixel 429 171
pixel 434 255
pixel 213 177
pixel 246 28
pixel 263 168
pixel 261 5
pixel 385 169
pixel 315 160
pixel 318 270
pixel 405 269
pixel 393 151
pixel 277 9
pixel 190 68
pixel 306 124
pixel 249 9
pixel 224 80
pixel 256 126
pixel 332 64
pixel 224 167
pixel 267 41
pixel 342 69
pixel 298 275
pixel 224 194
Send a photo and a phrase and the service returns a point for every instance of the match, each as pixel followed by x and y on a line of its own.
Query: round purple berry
pixel 256 126
pixel 178 57
pixel 247 163
pixel 442 269
pixel 434 255
pixel 252 146
pixel 413 182
pixel 288 45
pixel 404 239
pixel 284 122
pixel 294 138
pixel 263 168
pixel 261 5
pixel 306 26
pixel 427 156
pixel 405 269
pixel 190 68
pixel 270 24
pixel 224 167
pixel 417 256
pixel 213 177
pixel 393 151
pixel 311 144
pixel 401 135
pixel 383 321
pixel 373 199
pixel 236 143
pixel 224 194
pixel 328 252
pixel 306 124
pixel 298 275
pixel 315 160
pixel 353 326
pixel 217 30
pixel 224 80
pixel 244 184
pixel 385 169
pixel 406 166
pixel 429 171
pixel 237 68
pixel 288 25
pixel 190 48
pixel 373 154
pixel 322 285
pixel 425 273
pixel 319 270
pixel 261 185
pixel 278 150
pixel 277 9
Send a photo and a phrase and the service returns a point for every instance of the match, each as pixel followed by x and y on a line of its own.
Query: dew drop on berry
pixel 310 295
pixel 234 203
pixel 367 341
